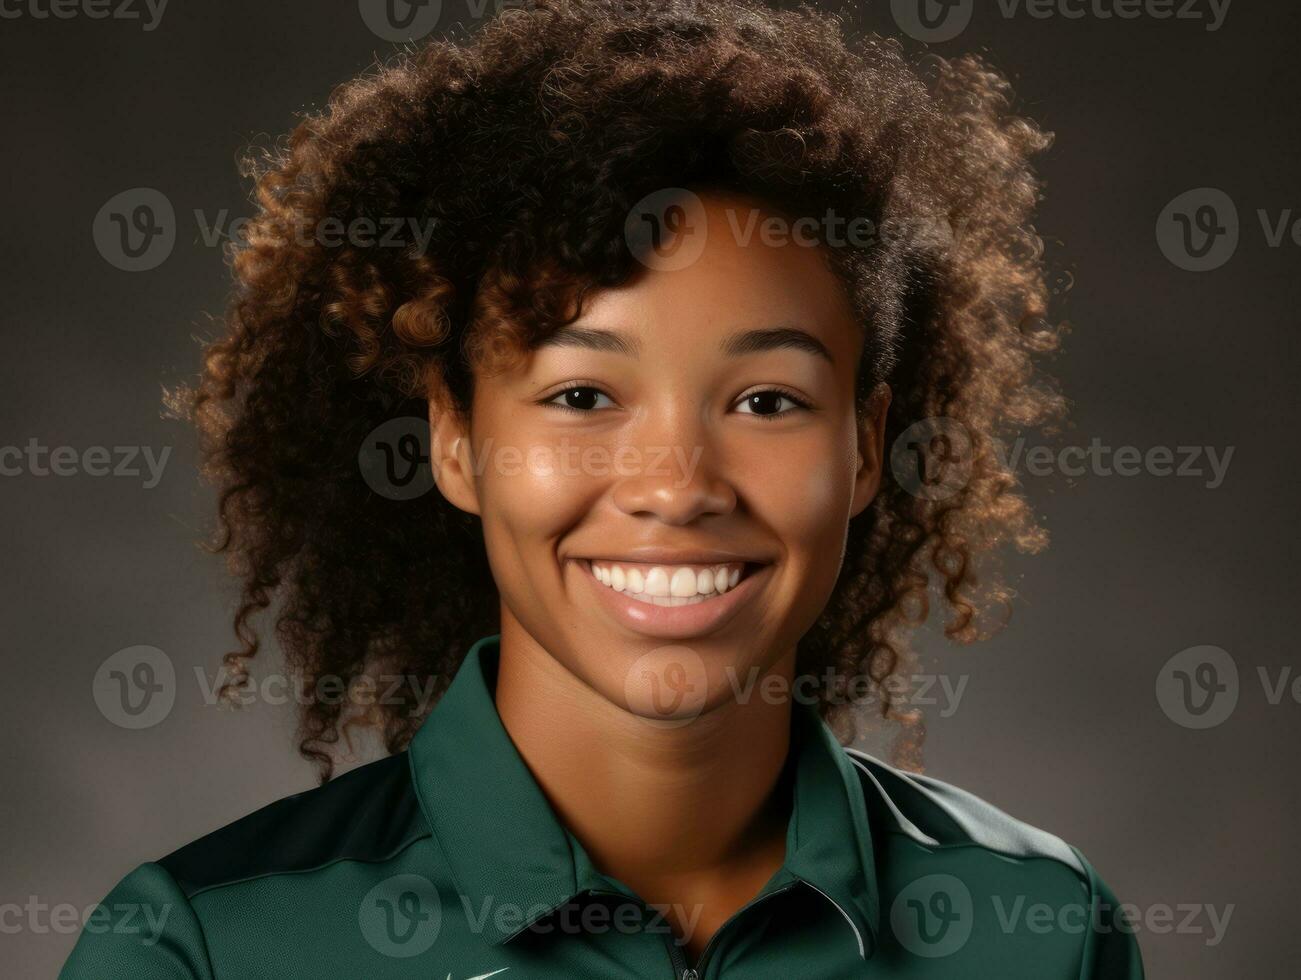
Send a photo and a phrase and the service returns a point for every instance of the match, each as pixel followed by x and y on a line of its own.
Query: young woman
pixel 664 288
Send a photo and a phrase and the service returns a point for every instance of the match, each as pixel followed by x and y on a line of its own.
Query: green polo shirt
pixel 446 862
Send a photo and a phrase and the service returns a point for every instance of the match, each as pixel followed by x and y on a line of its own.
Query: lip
pixel 676 622
pixel 676 556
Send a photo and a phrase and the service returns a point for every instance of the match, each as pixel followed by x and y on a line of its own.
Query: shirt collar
pixel 505 846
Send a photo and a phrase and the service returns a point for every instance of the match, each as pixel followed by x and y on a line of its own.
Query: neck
pixel 672 812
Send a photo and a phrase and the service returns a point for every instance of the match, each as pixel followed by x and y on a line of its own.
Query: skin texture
pixel 679 798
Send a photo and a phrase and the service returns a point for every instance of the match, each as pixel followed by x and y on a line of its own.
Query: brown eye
pixel 769 403
pixel 765 403
pixel 580 399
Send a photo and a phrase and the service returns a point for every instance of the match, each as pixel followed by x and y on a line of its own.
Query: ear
pixel 871 449
pixel 449 450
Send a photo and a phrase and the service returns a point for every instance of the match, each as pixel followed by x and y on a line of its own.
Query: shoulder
pixel 956 873
pixel 938 815
pixel 923 827
pixel 367 814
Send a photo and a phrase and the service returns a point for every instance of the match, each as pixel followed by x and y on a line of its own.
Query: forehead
pixel 740 263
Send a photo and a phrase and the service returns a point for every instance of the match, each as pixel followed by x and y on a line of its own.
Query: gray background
pixel 1059 722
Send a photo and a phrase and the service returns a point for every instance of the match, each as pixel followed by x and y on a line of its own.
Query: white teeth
pixel 668 585
pixel 721 580
pixel 683 583
pixel 657 581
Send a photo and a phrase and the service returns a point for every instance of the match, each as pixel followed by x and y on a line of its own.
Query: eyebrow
pixel 776 338
pixel 747 342
pixel 602 340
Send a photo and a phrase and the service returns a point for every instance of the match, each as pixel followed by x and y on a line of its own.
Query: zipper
pixel 699 970
pixel 677 958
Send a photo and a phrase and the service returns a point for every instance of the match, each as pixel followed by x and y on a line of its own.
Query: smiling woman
pixel 723 259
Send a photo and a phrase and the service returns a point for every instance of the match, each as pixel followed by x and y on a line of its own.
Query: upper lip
pixel 677 556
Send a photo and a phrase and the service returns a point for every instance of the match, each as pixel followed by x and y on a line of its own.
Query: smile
pixel 668 585
pixel 670 600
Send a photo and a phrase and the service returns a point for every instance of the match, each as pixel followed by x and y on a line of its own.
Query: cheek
pixel 532 491
pixel 804 492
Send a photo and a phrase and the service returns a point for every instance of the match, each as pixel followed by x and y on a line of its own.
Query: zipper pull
pixel 689 974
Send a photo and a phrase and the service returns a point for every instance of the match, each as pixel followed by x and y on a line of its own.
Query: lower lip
pixel 675 622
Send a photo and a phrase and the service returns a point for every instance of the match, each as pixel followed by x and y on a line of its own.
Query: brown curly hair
pixel 520 151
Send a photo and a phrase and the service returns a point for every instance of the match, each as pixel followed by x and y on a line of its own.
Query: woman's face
pixel 668 482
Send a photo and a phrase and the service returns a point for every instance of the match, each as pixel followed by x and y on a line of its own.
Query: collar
pixel 505 846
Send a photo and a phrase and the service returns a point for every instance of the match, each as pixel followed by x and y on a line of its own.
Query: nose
pixel 676 483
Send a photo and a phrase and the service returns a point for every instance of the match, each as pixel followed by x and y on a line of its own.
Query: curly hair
pixel 518 153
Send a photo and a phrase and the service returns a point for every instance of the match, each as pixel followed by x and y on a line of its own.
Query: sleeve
pixel 1110 945
pixel 145 929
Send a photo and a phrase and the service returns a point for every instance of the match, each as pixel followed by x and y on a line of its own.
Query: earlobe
pixel 871 449
pixel 449 454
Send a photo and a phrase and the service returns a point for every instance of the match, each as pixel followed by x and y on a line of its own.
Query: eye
pixel 580 398
pixel 770 403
